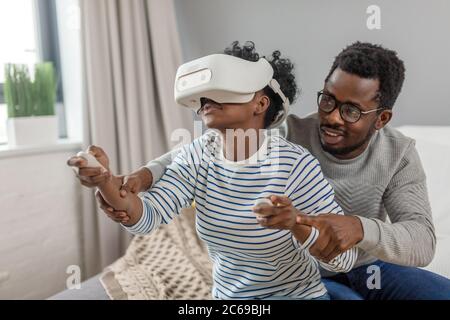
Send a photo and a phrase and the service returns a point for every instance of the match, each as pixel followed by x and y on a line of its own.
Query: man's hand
pixel 129 184
pixel 91 177
pixel 136 182
pixel 337 234
pixel 117 216
pixel 282 215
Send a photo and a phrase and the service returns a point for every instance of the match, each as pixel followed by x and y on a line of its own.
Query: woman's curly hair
pixel 283 73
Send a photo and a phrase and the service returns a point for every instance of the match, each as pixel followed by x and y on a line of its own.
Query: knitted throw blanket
pixel 170 263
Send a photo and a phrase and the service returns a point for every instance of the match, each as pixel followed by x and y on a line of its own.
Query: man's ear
pixel 383 119
pixel 262 103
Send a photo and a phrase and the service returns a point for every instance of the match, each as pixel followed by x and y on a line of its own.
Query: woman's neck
pixel 240 144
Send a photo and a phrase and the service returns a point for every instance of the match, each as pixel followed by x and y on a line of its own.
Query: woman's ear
pixel 262 103
pixel 383 119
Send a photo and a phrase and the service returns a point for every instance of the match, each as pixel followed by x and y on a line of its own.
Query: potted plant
pixel 31 104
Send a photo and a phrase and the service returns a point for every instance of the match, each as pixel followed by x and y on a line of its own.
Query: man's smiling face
pixel 340 138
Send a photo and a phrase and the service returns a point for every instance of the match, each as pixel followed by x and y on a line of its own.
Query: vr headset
pixel 226 79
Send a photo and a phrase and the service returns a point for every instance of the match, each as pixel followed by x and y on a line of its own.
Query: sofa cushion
pixel 433 146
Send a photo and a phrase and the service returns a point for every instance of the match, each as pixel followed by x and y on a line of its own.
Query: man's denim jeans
pixel 396 283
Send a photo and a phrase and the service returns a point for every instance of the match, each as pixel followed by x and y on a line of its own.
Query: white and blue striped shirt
pixel 249 261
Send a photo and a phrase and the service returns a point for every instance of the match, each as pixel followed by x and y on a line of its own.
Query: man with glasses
pixel 376 173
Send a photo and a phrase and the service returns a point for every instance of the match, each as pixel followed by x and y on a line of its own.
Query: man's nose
pixel 334 118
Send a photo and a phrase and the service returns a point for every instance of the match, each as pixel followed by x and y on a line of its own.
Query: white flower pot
pixel 39 130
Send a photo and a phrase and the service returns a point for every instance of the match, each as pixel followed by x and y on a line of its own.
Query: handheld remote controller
pixel 264 202
pixel 92 162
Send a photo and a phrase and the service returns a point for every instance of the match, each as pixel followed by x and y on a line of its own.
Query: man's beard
pixel 348 149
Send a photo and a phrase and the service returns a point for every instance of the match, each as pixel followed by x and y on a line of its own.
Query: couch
pixel 433 145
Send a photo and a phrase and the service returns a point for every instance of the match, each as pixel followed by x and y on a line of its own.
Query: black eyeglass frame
pixel 338 104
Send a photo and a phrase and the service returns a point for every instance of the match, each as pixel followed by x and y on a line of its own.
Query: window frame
pixel 47 41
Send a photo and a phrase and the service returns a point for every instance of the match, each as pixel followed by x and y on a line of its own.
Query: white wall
pixel 312 33
pixel 39 208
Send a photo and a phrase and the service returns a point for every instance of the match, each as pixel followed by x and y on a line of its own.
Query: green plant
pixel 18 90
pixel 44 89
pixel 25 97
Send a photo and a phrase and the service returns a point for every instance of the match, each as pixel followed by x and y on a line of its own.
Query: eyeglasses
pixel 348 111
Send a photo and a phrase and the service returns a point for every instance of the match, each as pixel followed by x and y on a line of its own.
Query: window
pixel 28 34
pixel 17 33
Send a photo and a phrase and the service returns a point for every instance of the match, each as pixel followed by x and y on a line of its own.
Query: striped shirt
pixel 249 261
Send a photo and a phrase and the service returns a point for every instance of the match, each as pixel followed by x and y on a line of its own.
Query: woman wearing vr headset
pixel 238 174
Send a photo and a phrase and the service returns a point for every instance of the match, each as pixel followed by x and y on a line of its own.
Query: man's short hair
pixel 372 61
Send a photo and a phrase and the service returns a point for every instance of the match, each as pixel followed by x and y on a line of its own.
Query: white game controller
pixel 263 201
pixel 92 162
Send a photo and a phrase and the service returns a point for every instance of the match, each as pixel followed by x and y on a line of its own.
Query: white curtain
pixel 131 52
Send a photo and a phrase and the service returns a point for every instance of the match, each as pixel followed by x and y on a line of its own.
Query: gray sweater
pixel 386 180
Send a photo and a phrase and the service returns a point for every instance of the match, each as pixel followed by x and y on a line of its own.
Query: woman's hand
pixel 134 183
pixel 281 215
pixel 91 177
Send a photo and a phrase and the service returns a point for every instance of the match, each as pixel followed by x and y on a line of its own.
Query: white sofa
pixel 433 145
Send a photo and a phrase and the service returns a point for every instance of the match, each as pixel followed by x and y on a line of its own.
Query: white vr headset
pixel 226 79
